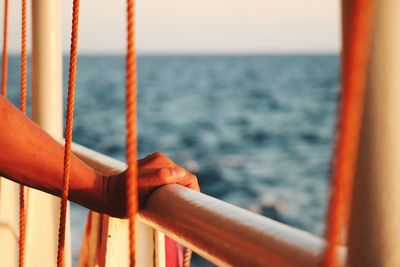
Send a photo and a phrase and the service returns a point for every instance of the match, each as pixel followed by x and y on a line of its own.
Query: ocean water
pixel 257 130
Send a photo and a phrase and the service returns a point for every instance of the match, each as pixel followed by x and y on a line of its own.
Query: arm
pixel 31 157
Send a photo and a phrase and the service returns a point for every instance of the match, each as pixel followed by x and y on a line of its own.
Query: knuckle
pixel 158 157
pixel 164 174
pixel 158 154
pixel 153 156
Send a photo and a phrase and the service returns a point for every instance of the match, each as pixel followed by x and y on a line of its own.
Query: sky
pixel 206 26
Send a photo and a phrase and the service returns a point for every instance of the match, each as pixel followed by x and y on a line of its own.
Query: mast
pixel 374 228
pixel 43 209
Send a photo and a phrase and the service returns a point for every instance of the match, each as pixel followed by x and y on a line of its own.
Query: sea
pixel 257 130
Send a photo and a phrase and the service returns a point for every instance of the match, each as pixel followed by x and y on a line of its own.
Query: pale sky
pixel 194 26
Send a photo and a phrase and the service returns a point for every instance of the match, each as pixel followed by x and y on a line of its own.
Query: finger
pixel 148 157
pixel 190 181
pixel 156 159
pixel 193 185
pixel 160 176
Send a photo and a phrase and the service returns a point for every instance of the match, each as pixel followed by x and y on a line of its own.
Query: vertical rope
pixel 356 46
pixel 131 129
pixel 24 58
pixel 24 63
pixel 187 257
pixel 68 132
pixel 4 65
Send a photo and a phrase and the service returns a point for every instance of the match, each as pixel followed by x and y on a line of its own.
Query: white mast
pixel 43 209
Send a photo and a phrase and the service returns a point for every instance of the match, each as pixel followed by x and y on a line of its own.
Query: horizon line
pixel 197 53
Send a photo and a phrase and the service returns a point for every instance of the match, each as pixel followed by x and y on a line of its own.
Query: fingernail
pixel 180 172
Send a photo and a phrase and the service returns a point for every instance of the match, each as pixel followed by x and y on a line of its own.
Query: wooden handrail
pixel 220 232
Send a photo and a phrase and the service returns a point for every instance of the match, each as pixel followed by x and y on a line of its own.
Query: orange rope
pixel 131 129
pixel 24 62
pixel 131 135
pixel 187 257
pixel 4 66
pixel 24 58
pixel 68 131
pixel 356 47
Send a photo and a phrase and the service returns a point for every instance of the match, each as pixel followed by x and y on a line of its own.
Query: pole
pixel 43 209
pixel 374 226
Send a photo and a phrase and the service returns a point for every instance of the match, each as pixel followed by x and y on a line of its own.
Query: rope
pixel 354 75
pixel 131 129
pixel 24 58
pixel 68 132
pixel 24 63
pixel 187 257
pixel 4 65
pixel 131 135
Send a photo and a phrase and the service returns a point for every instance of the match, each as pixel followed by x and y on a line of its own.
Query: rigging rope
pixel 131 135
pixel 68 131
pixel 131 129
pixel 187 257
pixel 4 65
pixel 24 63
pixel 356 46
pixel 4 78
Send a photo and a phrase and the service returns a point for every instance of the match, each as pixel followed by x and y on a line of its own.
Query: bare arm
pixel 31 157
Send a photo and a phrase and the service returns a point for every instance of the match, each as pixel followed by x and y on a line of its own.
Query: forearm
pixel 31 157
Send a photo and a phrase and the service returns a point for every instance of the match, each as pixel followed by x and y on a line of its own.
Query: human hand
pixel 154 170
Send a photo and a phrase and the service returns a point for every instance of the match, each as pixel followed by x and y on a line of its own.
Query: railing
pixel 221 233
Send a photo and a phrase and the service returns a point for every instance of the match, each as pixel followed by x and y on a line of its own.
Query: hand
pixel 155 170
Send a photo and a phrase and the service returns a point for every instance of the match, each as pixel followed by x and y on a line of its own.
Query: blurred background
pixel 242 93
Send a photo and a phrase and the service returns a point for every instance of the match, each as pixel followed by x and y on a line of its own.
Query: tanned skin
pixel 29 156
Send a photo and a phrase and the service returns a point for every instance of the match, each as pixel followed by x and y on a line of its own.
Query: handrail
pixel 220 232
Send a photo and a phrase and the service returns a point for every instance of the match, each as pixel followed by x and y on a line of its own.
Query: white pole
pixel 43 209
pixel 375 221
pixel 47 66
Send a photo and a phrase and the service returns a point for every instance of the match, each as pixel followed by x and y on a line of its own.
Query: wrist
pixel 115 195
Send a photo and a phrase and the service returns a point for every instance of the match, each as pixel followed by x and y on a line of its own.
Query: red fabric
pixel 173 253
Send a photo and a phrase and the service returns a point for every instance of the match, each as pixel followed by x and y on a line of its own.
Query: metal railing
pixel 220 232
